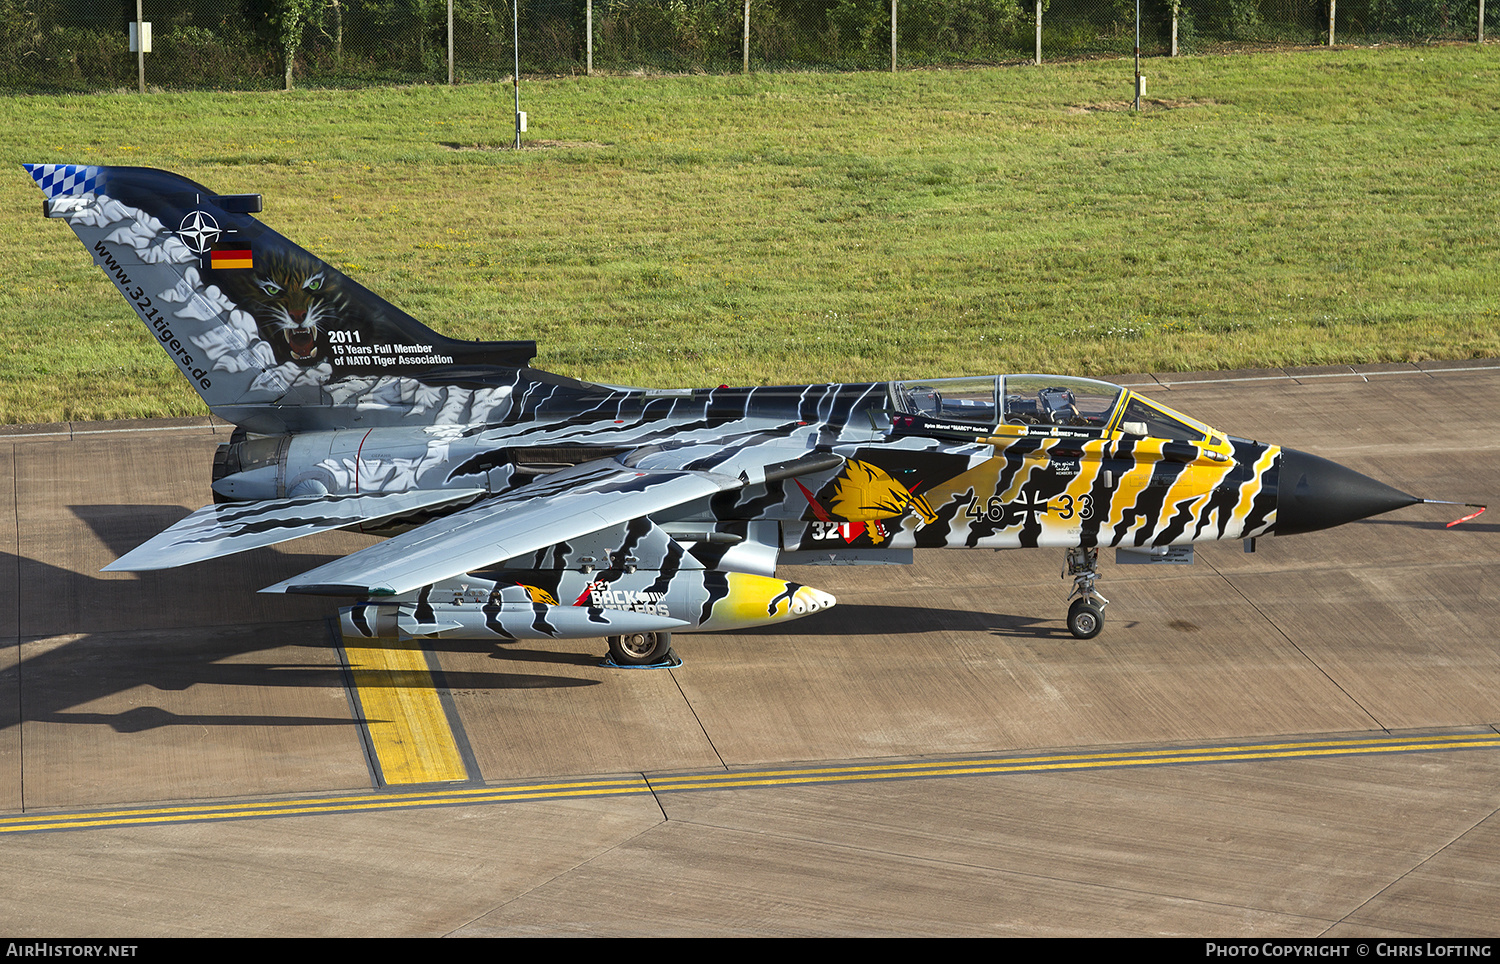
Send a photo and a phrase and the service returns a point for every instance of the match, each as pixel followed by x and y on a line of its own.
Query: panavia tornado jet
pixel 525 505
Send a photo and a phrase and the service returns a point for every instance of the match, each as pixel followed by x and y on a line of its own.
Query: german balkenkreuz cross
pixel 1029 505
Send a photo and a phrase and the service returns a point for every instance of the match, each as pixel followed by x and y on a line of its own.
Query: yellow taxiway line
pixel 1078 761
pixel 718 780
pixel 403 714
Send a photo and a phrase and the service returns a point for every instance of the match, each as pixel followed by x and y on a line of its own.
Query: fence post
pixel 1332 5
pixel 1038 33
pixel 140 45
pixel 893 36
pixel 745 43
pixel 1175 7
pixel 450 43
pixel 1481 21
pixel 515 46
pixel 588 40
pixel 1137 56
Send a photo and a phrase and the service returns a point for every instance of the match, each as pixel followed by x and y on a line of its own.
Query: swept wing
pixel 224 529
pixel 567 505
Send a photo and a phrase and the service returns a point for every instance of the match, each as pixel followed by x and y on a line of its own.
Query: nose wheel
pixel 1086 613
pixel 1085 619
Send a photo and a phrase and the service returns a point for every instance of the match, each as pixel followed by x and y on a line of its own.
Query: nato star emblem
pixel 199 231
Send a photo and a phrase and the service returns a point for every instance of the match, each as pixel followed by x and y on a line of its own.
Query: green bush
pixel 668 34
pixel 189 56
pixel 931 31
pixel 1417 20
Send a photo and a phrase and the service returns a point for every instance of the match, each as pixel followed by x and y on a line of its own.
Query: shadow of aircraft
pixel 863 619
pixel 173 629
pixel 171 647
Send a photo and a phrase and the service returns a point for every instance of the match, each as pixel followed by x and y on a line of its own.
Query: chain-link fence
pixel 56 45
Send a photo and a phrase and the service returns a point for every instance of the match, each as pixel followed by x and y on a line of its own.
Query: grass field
pixel 1273 209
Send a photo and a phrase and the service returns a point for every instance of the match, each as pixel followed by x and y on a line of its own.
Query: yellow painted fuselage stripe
pixel 719 780
pixel 408 726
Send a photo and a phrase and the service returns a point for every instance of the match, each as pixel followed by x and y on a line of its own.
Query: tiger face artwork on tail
pixel 295 300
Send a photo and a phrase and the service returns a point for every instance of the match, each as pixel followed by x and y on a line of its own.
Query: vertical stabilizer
pixel 270 335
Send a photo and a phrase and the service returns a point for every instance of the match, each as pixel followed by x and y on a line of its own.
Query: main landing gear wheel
pixel 640 649
pixel 1085 620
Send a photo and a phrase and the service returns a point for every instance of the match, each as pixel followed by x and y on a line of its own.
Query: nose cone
pixel 1313 493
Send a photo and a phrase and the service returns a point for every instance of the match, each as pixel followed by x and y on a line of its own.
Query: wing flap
pixel 226 528
pixel 559 507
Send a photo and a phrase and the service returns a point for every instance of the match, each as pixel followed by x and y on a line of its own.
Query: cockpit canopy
pixel 1041 404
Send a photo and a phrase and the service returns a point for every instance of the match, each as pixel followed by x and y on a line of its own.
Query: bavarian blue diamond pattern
pixel 64 180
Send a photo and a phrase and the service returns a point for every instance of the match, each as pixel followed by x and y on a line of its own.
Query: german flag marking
pixel 230 258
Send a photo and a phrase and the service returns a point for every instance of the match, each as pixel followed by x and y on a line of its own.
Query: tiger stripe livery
pixel 523 504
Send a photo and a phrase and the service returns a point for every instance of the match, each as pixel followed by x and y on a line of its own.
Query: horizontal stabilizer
pixel 224 529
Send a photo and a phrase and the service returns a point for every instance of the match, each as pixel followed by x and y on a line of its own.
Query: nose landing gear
pixel 1086 614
